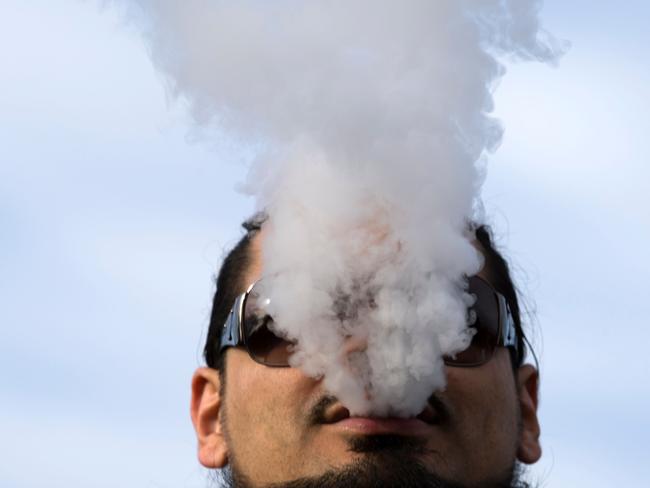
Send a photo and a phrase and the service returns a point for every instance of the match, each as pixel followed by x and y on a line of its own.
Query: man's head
pixel 276 425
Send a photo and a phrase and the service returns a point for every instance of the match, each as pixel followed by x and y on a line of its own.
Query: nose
pixel 354 344
pixel 355 360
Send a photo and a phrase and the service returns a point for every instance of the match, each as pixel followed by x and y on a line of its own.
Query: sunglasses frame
pixel 232 334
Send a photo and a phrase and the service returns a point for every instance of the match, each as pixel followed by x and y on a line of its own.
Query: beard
pixel 389 461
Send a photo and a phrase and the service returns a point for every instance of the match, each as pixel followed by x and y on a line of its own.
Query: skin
pixel 262 423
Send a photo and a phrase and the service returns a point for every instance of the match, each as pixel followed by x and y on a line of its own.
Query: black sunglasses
pixel 248 325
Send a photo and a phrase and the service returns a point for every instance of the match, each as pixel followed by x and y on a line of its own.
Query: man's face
pixel 274 425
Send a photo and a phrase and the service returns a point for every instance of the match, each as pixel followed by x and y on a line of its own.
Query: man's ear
pixel 530 449
pixel 206 412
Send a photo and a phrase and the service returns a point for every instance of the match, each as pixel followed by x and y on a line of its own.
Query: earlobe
pixel 530 449
pixel 205 410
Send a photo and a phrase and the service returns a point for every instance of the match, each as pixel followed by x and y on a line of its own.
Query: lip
pixel 383 425
pixel 340 418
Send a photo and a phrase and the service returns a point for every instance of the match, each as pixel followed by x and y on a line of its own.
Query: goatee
pixel 389 462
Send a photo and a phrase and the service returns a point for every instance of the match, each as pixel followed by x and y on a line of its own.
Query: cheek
pixel 258 398
pixel 484 408
pixel 264 413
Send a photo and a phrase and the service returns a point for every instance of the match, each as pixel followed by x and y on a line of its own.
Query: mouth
pixel 339 417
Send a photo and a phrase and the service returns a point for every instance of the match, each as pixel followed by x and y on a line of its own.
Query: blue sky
pixel 114 214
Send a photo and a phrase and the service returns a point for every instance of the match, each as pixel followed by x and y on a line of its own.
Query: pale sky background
pixel 114 217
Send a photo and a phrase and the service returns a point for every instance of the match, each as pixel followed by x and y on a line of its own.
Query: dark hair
pixel 230 284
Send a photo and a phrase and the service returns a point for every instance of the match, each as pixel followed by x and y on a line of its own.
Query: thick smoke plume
pixel 372 123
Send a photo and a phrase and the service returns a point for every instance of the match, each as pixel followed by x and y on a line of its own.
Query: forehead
pixel 255 267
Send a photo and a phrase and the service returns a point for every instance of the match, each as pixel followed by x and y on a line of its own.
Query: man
pixel 272 426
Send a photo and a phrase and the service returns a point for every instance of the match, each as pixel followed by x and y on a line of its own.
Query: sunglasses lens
pixel 264 346
pixel 486 327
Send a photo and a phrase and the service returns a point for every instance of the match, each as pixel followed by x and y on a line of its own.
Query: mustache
pixel 440 407
pixel 317 412
pixel 319 409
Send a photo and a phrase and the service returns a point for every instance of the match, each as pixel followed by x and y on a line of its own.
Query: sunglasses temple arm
pixel 230 334
pixel 508 330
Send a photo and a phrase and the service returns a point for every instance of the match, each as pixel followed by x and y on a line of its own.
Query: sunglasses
pixel 249 325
